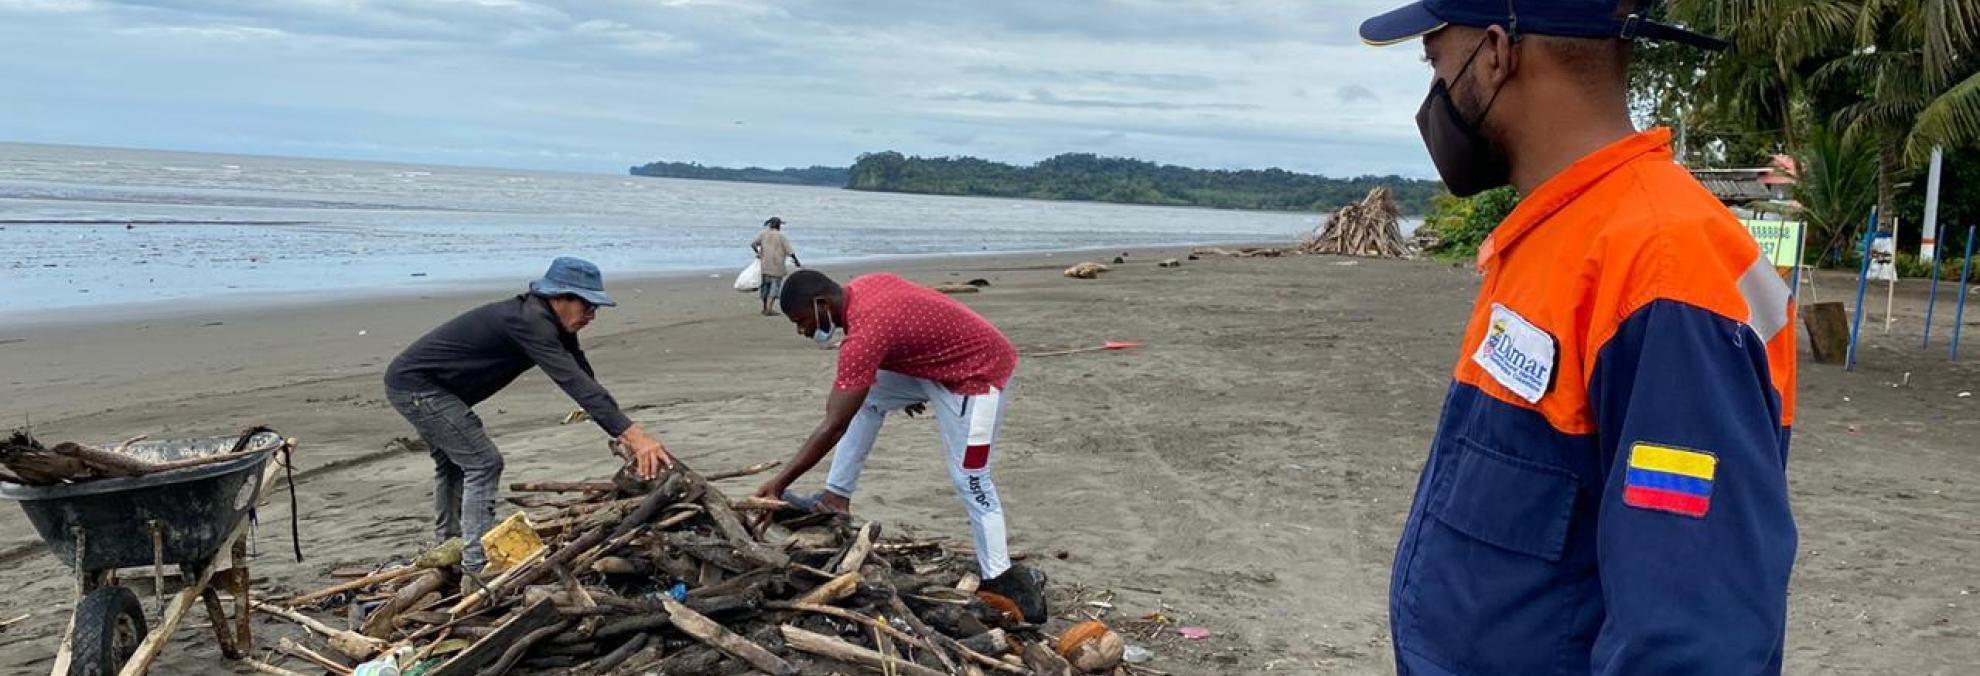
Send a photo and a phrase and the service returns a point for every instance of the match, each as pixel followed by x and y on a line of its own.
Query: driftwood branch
pixel 715 636
pixel 832 648
pixel 352 644
pixel 366 582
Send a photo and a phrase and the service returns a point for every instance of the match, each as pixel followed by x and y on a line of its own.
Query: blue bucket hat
pixel 573 277
pixel 1563 18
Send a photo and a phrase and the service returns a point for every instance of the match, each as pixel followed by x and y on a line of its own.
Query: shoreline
pixel 156 351
pixel 84 316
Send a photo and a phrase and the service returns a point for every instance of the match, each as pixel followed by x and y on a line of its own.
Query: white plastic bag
pixel 751 278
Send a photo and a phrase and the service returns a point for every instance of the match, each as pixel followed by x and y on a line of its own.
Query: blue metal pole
pixel 1932 299
pixel 1959 313
pixel 1862 284
pixel 1800 250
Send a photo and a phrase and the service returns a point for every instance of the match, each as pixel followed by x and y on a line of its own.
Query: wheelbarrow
pixel 192 516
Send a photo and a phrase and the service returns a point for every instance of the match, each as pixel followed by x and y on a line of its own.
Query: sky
pixel 599 85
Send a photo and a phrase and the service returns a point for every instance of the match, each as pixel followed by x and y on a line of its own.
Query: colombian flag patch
pixel 1668 479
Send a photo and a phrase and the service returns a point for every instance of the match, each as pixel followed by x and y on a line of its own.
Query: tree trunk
pixel 1890 160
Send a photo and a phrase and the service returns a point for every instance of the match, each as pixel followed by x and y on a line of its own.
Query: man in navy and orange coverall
pixel 1607 492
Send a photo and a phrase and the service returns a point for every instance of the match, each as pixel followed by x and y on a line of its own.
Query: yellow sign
pixel 1780 241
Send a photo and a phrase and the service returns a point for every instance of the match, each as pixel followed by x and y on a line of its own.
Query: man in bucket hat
pixel 1607 489
pixel 436 382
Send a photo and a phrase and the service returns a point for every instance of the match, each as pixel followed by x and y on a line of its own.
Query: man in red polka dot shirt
pixel 909 348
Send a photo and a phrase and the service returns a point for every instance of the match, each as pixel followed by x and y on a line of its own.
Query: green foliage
pixel 1084 176
pixel 1836 187
pixel 1959 199
pixel 1910 266
pixel 1461 224
pixel 832 176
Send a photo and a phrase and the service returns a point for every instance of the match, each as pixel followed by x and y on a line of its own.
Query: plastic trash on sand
pixel 1194 633
pixel 1137 655
pixel 509 543
pixel 751 278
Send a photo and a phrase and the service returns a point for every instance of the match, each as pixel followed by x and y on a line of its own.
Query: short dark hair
pixel 805 286
pixel 1598 62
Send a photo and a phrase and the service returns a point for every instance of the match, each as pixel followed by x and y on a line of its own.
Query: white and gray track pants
pixel 969 432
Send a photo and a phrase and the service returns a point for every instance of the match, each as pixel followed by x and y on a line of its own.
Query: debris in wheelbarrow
pixel 181 503
pixel 27 462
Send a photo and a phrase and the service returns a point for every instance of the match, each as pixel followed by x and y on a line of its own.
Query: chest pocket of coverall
pixel 1489 566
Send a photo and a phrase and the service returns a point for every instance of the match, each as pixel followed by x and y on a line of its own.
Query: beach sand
pixel 1248 471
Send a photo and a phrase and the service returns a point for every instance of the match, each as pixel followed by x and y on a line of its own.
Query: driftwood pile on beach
pixel 1371 227
pixel 671 576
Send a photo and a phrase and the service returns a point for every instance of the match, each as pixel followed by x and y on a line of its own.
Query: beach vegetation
pixel 1459 225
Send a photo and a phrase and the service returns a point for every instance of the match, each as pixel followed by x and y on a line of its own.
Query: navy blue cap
pixel 573 277
pixel 1563 18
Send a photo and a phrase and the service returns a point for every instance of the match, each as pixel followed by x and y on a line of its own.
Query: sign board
pixel 1883 258
pixel 1780 241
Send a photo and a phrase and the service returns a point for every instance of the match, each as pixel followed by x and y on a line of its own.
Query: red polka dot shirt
pixel 900 326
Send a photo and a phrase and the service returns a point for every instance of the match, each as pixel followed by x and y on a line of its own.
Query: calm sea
pixel 82 227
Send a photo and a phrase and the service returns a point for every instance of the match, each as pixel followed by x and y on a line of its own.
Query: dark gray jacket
pixel 480 352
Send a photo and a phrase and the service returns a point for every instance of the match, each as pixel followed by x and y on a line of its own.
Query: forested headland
pixel 1078 176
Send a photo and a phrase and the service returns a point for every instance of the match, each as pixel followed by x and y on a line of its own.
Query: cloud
pixel 1353 93
pixel 1044 97
pixel 582 84
pixel 45 6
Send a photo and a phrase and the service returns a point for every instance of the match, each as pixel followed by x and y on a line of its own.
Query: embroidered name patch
pixel 1668 479
pixel 1517 354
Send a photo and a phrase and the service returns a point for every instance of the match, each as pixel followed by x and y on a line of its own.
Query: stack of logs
pixel 670 577
pixel 1371 227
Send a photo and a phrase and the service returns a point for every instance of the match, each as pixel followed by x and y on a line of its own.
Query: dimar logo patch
pixel 1518 354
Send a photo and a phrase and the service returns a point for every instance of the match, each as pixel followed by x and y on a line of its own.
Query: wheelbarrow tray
pixel 106 524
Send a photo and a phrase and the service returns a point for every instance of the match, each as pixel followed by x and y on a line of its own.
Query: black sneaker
pixel 1024 586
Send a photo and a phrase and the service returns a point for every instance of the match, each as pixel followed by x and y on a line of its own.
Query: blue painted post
pixel 1960 312
pixel 1862 284
pixel 1932 299
pixel 1800 250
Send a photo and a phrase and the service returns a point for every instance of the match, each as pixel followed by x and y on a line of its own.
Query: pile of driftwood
pixel 670 576
pixel 24 460
pixel 1370 227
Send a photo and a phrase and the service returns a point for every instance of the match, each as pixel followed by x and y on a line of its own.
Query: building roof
pixel 1749 184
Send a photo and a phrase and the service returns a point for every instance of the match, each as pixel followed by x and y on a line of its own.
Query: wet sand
pixel 1247 472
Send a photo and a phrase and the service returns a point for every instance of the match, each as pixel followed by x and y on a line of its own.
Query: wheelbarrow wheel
pixel 109 627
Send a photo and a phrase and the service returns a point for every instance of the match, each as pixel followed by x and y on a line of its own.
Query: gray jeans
pixel 467 468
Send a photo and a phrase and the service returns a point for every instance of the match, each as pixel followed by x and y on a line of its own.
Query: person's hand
pixel 915 409
pixel 649 457
pixel 772 489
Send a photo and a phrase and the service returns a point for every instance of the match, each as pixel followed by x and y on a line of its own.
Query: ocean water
pixel 92 227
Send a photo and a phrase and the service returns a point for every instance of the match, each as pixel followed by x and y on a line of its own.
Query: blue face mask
pixel 823 334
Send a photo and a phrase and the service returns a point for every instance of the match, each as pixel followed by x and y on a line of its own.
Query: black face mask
pixel 1468 162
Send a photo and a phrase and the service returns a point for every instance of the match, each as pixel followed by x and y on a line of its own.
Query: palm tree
pixel 1910 61
pixel 1945 35
pixel 1835 180
pixel 1776 45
